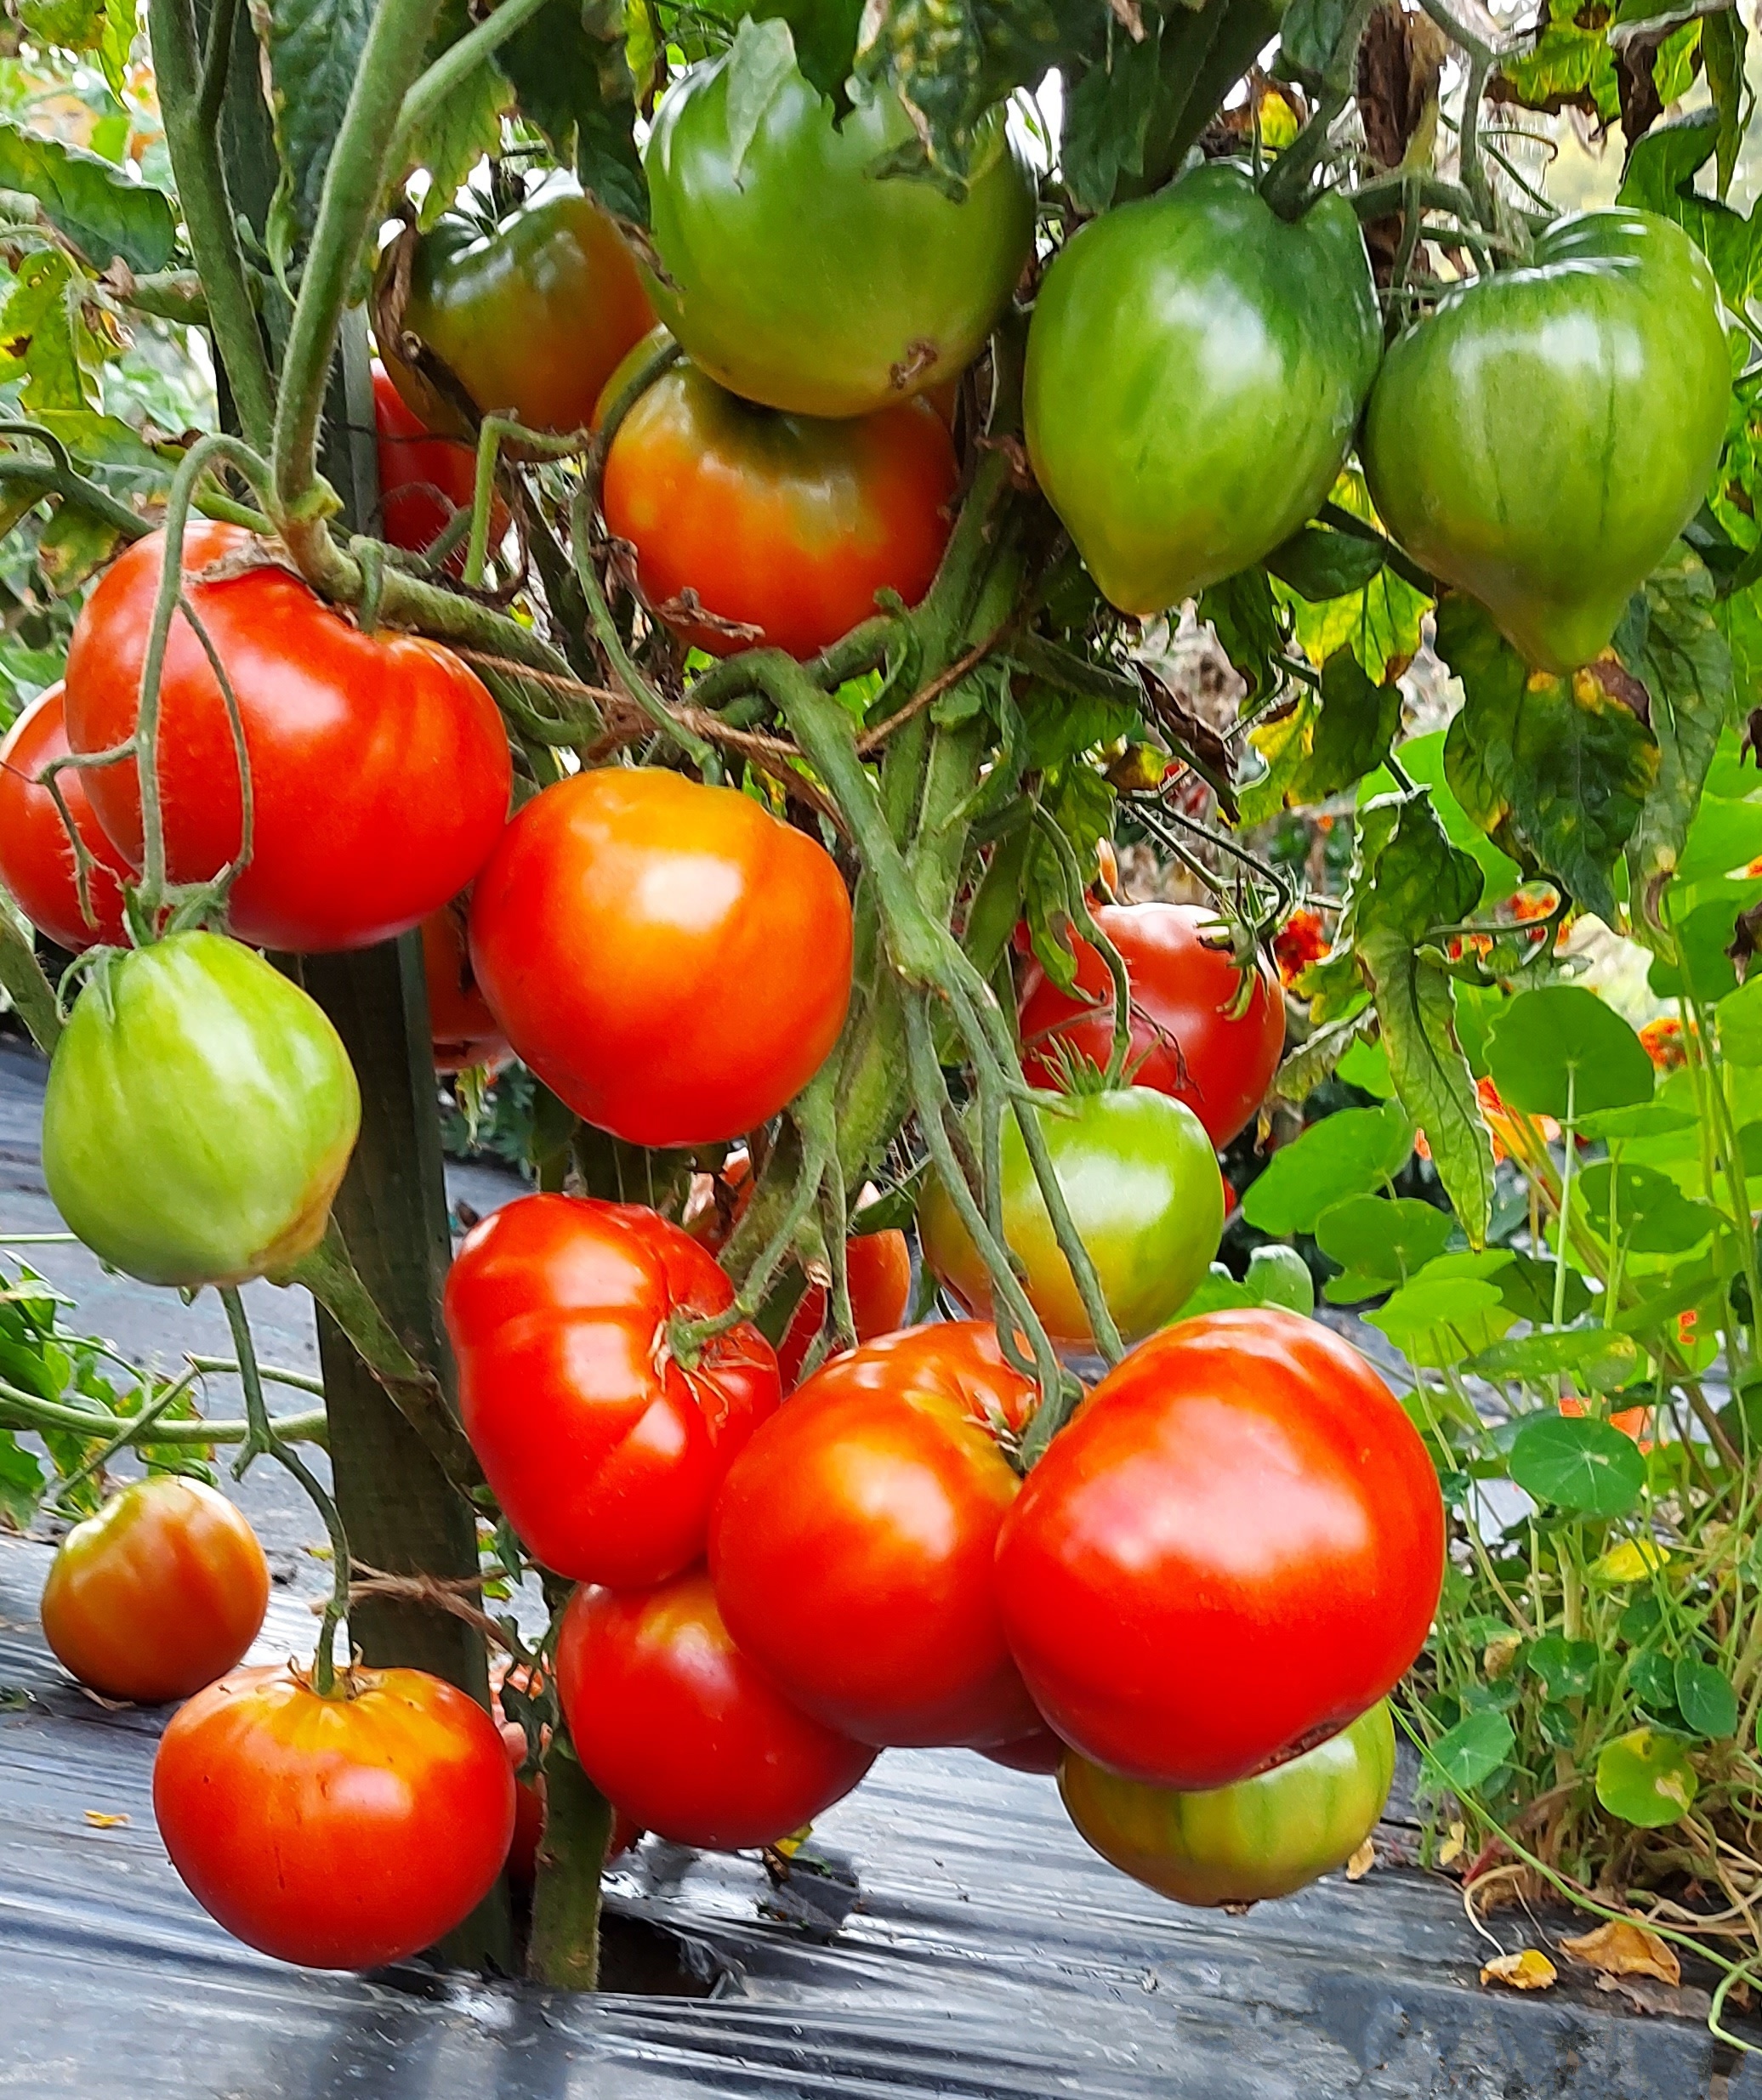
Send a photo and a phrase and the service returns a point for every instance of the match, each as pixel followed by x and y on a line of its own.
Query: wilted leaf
pixel 465 126
pixel 1631 1561
pixel 576 88
pixel 99 1820
pixel 1568 67
pixel 1621 1948
pixel 1362 1861
pixel 1529 1970
pixel 1645 1779
pixel 73 548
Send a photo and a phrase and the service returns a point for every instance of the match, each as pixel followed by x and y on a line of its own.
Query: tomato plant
pixel 604 1432
pixel 526 319
pixel 1245 1492
pixel 683 897
pixel 158 1593
pixel 777 529
pixel 37 858
pixel 200 1112
pixel 678 1730
pixel 1264 1836
pixel 386 1806
pixel 852 1542
pixel 380 767
pixel 1141 1180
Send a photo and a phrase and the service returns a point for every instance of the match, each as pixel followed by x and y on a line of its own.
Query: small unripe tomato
pixel 158 1593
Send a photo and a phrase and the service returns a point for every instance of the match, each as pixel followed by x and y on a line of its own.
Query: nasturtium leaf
pixel 1643 1209
pixel 1595 1359
pixel 1471 1751
pixel 1706 1700
pixel 1218 1292
pixel 1578 1464
pixel 1560 1050
pixel 1559 1725
pixel 1365 1065
pixel 1645 1778
pixel 1740 1017
pixel 1439 1320
pixel 1344 1155
pixel 1642 1120
pixel 1724 839
pixel 1388 1239
pixel 1279 1275
pixel 1653 1675
pixel 1567 1668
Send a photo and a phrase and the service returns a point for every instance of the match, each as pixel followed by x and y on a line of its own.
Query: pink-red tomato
pixel 603 1447
pixel 379 766
pixel 669 959
pixel 878 1265
pixel 853 1541
pixel 1187 1038
pixel 158 1593
pixel 1232 1551
pixel 36 864
pixel 676 1728
pixel 462 1027
pixel 344 1829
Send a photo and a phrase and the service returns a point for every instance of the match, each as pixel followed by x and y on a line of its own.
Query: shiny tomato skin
pixel 784 525
pixel 36 858
pixel 604 1450
pixel 1265 1836
pixel 679 1731
pixel 342 1831
pixel 530 319
pixel 621 912
pixel 1241 1493
pixel 158 1593
pixel 1184 1041
pixel 1038 1752
pixel 463 1030
pixel 879 1267
pixel 379 765
pixel 853 1541
pixel 425 482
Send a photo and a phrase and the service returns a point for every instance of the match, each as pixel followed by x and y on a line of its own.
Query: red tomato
pixel 605 1451
pixel 378 763
pixel 1233 1550
pixel 669 959
pixel 343 1831
pixel 878 1265
pixel 36 858
pixel 159 1593
pixel 528 1810
pixel 852 1543
pixel 462 1029
pixel 784 525
pixel 424 480
pixel 677 1729
pixel 1038 1752
pixel 1182 993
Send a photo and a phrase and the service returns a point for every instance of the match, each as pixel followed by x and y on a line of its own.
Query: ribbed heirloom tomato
pixel 1233 1550
pixel 36 863
pixel 669 959
pixel 853 1541
pixel 529 320
pixel 1188 1037
pixel 680 1733
pixel 784 525
pixel 378 763
pixel 604 1447
pixel 158 1593
pixel 344 1829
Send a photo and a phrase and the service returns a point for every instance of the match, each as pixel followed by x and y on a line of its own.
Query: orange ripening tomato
pixel 780 528
pixel 853 1541
pixel 603 1448
pixel 158 1593
pixel 669 959
pixel 1233 1549
pixel 424 480
pixel 341 1829
pixel 879 1267
pixel 1187 1040
pixel 379 766
pixel 461 1026
pixel 37 862
pixel 679 1731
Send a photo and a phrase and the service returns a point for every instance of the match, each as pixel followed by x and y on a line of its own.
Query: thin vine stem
pixel 492 434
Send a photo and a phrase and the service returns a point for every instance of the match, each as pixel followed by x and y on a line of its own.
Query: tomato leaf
pixel 1107 116
pixel 574 85
pixel 760 65
pixel 1471 1751
pixel 102 211
pixel 312 53
pixel 466 126
pixel 1661 178
pixel 1645 1779
pixel 1348 1153
pixel 40 335
pixel 1570 67
pixel 1244 615
pixel 21 1482
pixel 1724 38
pixel 1319 564
pixel 1577 1463
pixel 104 27
pixel 1558 1049
pixel 1646 20
pixel 1311 33
pixel 73 548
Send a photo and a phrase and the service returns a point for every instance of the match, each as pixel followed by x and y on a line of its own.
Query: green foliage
pixel 1560 1051
pixel 574 84
pixel 312 54
pixel 1351 1153
pixel 104 214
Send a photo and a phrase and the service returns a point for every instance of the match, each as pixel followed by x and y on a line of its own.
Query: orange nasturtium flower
pixel 1300 941
pixel 1663 1042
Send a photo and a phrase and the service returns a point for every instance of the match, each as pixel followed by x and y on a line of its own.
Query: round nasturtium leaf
pixel 1577 1463
pixel 1645 1778
pixel 1560 1050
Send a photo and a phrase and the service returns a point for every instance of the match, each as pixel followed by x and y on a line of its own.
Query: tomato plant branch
pixel 27 1411
pixel 927 695
pixel 1077 903
pixel 194 145
pixel 132 1431
pixel 490 434
pixel 1287 184
pixel 263 1438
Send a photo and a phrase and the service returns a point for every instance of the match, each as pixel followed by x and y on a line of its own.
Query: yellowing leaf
pixel 100 1821
pixel 1361 1861
pixel 1621 1948
pixel 1278 121
pixel 1497 1657
pixel 1454 1844
pixel 1531 1970
pixel 1632 1561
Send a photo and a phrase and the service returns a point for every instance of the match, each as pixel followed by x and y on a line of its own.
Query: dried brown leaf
pixel 1622 1948
pixel 1528 1970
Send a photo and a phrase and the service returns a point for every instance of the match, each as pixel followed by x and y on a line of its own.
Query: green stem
pixel 217 60
pixel 133 1431
pixel 74 488
pixel 1077 903
pixel 1287 184
pixel 193 145
pixel 564 1950
pixel 1564 1224
pixel 544 444
pixel 27 1411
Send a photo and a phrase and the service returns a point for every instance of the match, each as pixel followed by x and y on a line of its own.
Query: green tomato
pixel 1263 1837
pixel 1143 1190
pixel 1545 435
pixel 1196 367
pixel 796 277
pixel 201 1110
